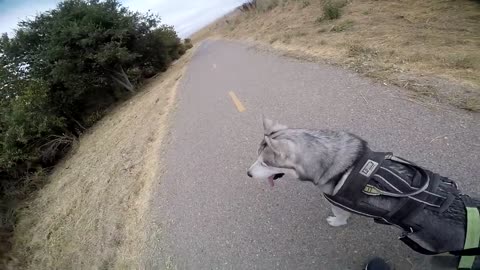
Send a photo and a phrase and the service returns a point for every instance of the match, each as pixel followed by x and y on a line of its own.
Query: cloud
pixel 187 16
pixel 12 12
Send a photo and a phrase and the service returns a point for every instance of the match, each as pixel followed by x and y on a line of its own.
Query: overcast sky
pixel 186 15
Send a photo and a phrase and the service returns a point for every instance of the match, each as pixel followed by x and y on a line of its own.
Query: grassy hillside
pixel 92 212
pixel 430 47
pixel 60 72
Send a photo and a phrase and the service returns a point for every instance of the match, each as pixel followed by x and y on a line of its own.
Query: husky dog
pixel 354 179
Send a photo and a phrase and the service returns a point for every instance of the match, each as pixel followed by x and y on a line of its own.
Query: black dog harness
pixel 420 195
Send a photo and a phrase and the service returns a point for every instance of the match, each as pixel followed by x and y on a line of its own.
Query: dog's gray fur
pixel 308 155
pixel 311 155
pixel 318 156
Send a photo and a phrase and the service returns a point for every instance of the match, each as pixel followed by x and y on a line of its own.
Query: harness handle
pixel 403 195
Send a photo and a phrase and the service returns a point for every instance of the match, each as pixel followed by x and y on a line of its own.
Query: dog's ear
pixel 275 145
pixel 270 127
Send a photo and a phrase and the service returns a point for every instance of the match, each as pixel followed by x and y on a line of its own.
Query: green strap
pixel 472 238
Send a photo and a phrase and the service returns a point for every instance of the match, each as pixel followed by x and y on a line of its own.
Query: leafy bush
pixel 266 5
pixel 85 48
pixel 331 11
pixel 23 120
pixel 64 67
pixel 72 61
pixel 188 43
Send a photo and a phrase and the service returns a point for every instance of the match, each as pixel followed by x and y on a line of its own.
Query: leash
pixel 472 237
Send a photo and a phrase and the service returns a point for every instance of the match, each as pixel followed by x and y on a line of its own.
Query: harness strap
pixel 407 206
pixel 413 195
pixel 472 237
pixel 466 252
pixel 349 195
pixel 365 168
pixel 415 246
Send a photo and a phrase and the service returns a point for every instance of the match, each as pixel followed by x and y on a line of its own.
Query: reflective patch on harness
pixel 371 190
pixel 368 168
pixel 472 238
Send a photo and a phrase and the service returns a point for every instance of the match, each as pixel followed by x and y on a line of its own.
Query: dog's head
pixel 275 155
pixel 304 154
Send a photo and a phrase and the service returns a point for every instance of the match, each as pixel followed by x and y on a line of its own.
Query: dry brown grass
pixel 91 214
pixel 431 47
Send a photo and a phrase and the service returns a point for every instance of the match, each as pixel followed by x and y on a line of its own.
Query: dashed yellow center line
pixel 236 101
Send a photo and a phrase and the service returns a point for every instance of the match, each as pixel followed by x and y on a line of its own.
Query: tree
pixel 68 63
pixel 83 48
pixel 61 67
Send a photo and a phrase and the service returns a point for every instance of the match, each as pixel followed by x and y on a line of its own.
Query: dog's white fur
pixel 340 216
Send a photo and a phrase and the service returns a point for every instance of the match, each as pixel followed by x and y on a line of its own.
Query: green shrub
pixel 66 64
pixel 188 43
pixel 24 121
pixel 61 70
pixel 266 5
pixel 331 11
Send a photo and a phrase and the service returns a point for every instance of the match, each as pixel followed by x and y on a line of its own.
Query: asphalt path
pixel 210 215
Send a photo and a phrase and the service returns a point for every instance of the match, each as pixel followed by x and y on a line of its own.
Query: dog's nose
pixel 249 174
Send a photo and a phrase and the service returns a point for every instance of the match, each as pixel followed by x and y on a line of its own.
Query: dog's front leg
pixel 339 217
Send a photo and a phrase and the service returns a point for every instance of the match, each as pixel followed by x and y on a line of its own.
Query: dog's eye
pixel 262 146
pixel 267 163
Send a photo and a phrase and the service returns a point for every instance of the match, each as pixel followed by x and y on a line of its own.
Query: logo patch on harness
pixel 368 168
pixel 371 190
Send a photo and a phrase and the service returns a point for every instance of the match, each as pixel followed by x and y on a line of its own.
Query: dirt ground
pixel 92 212
pixel 431 48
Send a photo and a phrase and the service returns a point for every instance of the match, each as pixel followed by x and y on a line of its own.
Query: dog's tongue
pixel 270 180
